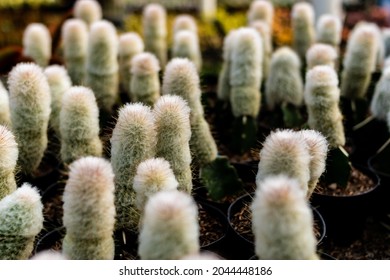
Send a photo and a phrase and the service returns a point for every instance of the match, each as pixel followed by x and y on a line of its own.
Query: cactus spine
pixel 155 31
pixel 21 219
pixel 172 118
pixel 261 10
pixel 37 43
pixel 59 82
pixel 9 157
pixel 181 78
pixel 5 115
pixel 74 35
pixel 30 101
pixel 130 44
pixel 359 61
pixel 89 210
pixel 145 83
pixel 133 140
pixel 284 83
pixel 282 221
pixel 321 54
pixel 380 102
pixel 170 227
pixel 87 10
pixel 302 19
pixel 285 152
pixel 245 72
pixel 79 125
pixel 322 101
pixel 102 64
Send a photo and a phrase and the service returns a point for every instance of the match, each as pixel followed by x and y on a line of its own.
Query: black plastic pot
pixel 245 244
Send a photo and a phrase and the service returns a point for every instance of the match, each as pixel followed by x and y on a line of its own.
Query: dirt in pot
pixel 210 226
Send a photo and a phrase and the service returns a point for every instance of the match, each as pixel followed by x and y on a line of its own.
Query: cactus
pixel 328 30
pixel 386 40
pixel 9 157
pixel 21 219
pixel 265 32
pixel 79 125
pixel 380 102
pixel 87 10
pixel 154 24
pixel 284 83
pixel 74 35
pixel 359 61
pixel 317 146
pixel 130 44
pixel 184 22
pixel 59 82
pixel 302 20
pixel 5 115
pixel 261 10
pixel 322 101
pixel 282 221
pixel 321 54
pixel 102 74
pixel 186 45
pixel 170 227
pixel 245 72
pixel 30 101
pixel 133 140
pixel 37 43
pixel 172 119
pixel 145 83
pixel 285 152
pixel 47 255
pixel 89 210
pixel 208 9
pixel 153 175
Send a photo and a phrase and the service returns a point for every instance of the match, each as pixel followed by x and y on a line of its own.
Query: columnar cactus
pixel 48 254
pixel 386 40
pixel 186 45
pixel 265 31
pixel 181 78
pixel 37 43
pixel 380 102
pixel 79 125
pixel 172 119
pixel 322 97
pixel 285 152
pixel 154 23
pixel 145 82
pixel 153 175
pixel 88 10
pixel 170 227
pixel 130 44
pixel 133 140
pixel 74 35
pixel 302 19
pixel 184 22
pixel 284 83
pixel 245 72
pixel 321 54
pixel 21 219
pixel 30 101
pixel 261 10
pixel 102 74
pixel 208 9
pixel 59 82
pixel 359 61
pixel 317 146
pixel 282 221
pixel 5 115
pixel 89 210
pixel 328 30
pixel 9 157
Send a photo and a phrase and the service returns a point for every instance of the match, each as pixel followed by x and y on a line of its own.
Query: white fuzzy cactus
pixel 282 221
pixel 261 10
pixel 322 97
pixel 285 152
pixel 184 22
pixel 386 40
pixel 208 9
pixel 59 82
pixel 380 102
pixel 79 125
pixel 89 210
pixel 321 54
pixel 145 82
pixel 88 10
pixel 49 255
pixel 30 102
pixel 37 43
pixel 74 34
pixel 5 115
pixel 9 156
pixel 186 45
pixel 328 30
pixel 154 24
pixel 170 227
pixel 265 31
pixel 21 220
